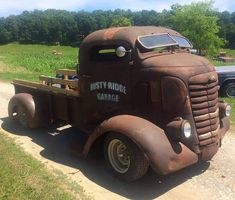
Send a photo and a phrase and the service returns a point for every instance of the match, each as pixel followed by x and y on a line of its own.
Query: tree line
pixel 69 28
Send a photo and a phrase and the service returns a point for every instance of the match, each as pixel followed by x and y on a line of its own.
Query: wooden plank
pixel 52 80
pixel 68 72
pixel 47 88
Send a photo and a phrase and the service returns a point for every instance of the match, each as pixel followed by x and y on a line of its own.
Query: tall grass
pixel 35 60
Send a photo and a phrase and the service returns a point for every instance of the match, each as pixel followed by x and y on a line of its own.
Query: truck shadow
pixel 58 147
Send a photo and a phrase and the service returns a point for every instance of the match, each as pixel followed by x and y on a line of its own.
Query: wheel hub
pixel 231 91
pixel 23 119
pixel 118 156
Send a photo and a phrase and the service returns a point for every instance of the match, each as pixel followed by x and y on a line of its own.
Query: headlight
pixel 228 110
pixel 179 129
pixel 224 109
pixel 186 129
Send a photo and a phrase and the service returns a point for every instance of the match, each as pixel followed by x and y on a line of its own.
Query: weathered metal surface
pixel 142 95
pixel 165 156
pixel 204 99
pixel 159 82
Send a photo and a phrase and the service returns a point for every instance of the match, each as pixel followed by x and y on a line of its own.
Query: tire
pixel 228 90
pixel 21 116
pixel 124 158
pixel 24 109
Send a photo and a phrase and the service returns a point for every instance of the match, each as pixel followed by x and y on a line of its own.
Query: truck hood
pixel 181 65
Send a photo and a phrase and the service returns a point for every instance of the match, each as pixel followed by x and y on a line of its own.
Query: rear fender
pixel 164 156
pixel 36 115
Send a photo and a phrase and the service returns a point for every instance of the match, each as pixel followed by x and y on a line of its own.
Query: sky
pixel 14 7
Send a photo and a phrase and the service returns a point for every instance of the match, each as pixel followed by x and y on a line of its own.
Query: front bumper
pixel 181 156
pixel 209 151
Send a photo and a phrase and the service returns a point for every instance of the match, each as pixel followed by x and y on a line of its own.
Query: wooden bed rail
pixel 66 72
pixel 47 80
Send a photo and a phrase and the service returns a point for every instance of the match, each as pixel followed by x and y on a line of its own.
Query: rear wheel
pixel 23 118
pixel 124 158
pixel 28 111
pixel 19 114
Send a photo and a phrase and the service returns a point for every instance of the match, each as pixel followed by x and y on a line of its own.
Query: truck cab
pixel 144 98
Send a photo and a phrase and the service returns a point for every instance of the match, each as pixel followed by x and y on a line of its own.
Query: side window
pixel 105 53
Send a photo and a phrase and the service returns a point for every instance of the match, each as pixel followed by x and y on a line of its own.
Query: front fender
pixel 165 155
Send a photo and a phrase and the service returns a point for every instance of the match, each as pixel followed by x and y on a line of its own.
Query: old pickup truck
pixel 140 96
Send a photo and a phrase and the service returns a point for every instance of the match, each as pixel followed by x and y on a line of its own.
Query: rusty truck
pixel 140 96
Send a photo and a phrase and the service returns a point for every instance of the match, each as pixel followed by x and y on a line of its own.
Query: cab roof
pixel 126 34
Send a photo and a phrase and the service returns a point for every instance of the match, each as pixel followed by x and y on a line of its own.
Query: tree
pixel 198 22
pixel 5 36
pixel 119 21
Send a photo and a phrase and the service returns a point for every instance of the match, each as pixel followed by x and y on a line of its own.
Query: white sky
pixel 8 7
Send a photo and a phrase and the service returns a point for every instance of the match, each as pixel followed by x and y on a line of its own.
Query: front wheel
pixel 228 90
pixel 124 158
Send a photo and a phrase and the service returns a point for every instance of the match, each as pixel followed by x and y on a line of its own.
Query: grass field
pixel 23 177
pixel 28 61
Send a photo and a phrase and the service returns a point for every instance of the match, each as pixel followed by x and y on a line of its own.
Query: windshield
pixel 163 40
pixel 183 42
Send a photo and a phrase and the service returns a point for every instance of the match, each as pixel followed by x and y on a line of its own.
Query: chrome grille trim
pixel 207 116
pixel 208 135
pixel 204 102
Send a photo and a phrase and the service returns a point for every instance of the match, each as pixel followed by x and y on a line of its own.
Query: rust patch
pixel 108 35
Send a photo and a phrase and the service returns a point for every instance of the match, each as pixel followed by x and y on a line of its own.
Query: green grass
pixel 23 177
pixel 29 61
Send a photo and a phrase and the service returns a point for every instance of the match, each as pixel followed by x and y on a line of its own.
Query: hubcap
pixel 118 156
pixel 231 91
pixel 23 119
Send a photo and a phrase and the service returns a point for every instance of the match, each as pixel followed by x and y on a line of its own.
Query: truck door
pixel 105 88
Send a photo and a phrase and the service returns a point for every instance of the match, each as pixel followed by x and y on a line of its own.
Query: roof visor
pixel 163 40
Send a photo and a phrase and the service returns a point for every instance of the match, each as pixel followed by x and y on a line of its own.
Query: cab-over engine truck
pixel 140 94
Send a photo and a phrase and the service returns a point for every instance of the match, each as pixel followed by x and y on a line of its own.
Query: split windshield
pixel 163 40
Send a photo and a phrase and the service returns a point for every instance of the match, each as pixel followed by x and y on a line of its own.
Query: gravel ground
pixel 214 180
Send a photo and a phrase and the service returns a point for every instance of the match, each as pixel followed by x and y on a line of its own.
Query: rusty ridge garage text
pixel 101 85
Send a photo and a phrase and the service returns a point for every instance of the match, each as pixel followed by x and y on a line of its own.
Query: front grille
pixel 204 100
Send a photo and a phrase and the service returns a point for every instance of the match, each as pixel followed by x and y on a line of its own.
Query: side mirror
pixel 121 51
pixel 193 51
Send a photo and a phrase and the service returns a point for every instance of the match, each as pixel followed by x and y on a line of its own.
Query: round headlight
pixel 228 110
pixel 186 129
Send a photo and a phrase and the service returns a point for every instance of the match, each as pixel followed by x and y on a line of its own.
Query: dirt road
pixel 214 180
